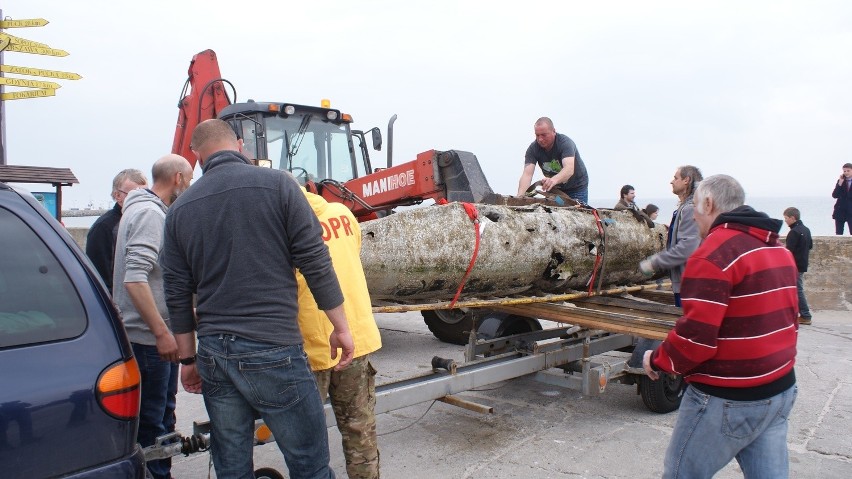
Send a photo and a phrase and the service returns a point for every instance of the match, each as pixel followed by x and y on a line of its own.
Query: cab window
pixel 309 147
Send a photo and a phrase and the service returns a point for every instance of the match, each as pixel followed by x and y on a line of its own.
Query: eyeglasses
pixel 122 192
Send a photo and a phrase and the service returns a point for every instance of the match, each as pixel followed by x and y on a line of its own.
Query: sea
pixel 815 211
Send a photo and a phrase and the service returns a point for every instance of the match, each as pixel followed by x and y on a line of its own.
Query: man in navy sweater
pixel 234 239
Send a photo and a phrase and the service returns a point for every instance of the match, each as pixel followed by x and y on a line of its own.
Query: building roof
pixel 37 174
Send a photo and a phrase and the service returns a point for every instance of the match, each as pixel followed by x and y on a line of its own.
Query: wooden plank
pixel 622 305
pixel 656 329
pixel 660 296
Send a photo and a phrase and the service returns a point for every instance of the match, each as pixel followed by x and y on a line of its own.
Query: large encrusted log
pixel 423 253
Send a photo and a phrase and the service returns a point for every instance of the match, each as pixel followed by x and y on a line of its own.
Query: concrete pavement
pixel 542 431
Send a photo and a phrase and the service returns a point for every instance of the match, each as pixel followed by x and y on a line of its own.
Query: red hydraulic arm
pixel 452 175
pixel 205 99
pixel 414 181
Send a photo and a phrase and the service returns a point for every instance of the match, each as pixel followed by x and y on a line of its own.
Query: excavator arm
pixel 451 175
pixel 274 135
pixel 203 97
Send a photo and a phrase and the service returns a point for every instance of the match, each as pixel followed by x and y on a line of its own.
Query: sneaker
pixel 803 320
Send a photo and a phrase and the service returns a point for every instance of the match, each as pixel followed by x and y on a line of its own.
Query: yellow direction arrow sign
pixel 22 95
pixel 38 72
pixel 23 23
pixel 29 83
pixel 23 41
pixel 53 52
pixel 4 42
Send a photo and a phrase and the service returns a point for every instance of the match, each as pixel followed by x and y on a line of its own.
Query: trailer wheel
pixel 662 395
pixel 267 473
pixel 449 325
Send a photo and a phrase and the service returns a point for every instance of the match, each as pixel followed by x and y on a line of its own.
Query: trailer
pixel 599 340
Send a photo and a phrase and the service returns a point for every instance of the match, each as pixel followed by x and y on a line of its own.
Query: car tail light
pixel 118 389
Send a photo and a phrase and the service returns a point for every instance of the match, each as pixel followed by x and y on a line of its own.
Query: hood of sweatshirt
pixel 143 195
pixel 317 202
pixel 752 222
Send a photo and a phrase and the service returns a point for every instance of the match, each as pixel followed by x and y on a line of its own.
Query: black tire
pixel 664 395
pixel 267 473
pixel 449 325
pixel 497 325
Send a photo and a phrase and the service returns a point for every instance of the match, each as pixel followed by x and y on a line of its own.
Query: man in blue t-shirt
pixel 559 160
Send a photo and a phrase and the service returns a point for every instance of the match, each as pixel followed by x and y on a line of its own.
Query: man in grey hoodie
pixel 138 293
pixel 683 236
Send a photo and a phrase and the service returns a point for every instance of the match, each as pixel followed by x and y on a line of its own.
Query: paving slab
pixel 543 431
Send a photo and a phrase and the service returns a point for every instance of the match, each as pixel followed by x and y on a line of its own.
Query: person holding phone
pixel 843 206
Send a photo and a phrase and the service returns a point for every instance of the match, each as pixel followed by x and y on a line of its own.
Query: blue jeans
pixel 710 431
pixel 240 376
pixel 581 195
pixel 159 385
pixel 804 310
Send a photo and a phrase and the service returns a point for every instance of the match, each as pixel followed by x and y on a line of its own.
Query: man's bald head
pixel 211 136
pixel 172 175
pixel 168 166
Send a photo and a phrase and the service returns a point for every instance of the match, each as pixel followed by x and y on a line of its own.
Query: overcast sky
pixel 760 90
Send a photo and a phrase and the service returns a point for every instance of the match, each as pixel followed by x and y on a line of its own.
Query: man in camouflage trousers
pixel 352 389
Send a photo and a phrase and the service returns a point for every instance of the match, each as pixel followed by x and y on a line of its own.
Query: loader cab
pixel 313 143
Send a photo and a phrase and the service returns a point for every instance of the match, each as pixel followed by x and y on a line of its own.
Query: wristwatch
pixel 187 361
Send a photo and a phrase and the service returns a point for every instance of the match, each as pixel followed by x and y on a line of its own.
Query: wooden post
pixel 2 114
pixel 58 201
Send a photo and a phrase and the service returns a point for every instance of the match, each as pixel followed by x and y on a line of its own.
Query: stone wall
pixel 828 282
pixel 79 235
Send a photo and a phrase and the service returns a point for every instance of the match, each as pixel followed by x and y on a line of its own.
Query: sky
pixel 760 90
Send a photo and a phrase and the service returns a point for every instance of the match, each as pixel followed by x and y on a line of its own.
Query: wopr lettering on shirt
pixel 333 225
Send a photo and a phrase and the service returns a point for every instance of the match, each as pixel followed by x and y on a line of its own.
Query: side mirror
pixel 377 139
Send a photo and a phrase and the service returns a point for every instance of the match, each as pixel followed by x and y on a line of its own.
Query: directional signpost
pixel 24 94
pixel 53 52
pixel 29 83
pixel 34 88
pixel 12 43
pixel 23 23
pixel 22 41
pixel 38 72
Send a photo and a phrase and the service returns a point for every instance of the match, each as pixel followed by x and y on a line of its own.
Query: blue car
pixel 69 385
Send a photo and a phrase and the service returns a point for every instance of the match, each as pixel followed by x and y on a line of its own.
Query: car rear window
pixel 38 302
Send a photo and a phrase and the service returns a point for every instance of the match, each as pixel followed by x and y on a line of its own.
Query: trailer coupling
pixel 173 444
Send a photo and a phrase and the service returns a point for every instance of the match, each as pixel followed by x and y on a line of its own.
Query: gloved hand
pixel 646 267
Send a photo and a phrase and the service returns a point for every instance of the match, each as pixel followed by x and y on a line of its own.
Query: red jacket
pixel 738 328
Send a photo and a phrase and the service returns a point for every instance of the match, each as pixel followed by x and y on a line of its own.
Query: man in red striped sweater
pixel 735 343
